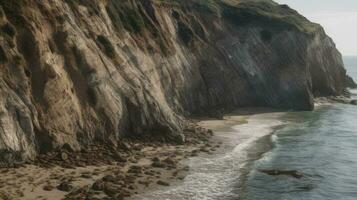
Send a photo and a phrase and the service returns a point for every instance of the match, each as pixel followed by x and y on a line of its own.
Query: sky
pixel 338 17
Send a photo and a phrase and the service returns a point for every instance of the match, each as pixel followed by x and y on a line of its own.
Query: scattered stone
pixel 146 183
pixel 109 178
pixel 190 129
pixel 204 149
pixel 86 176
pixel 169 161
pixel 80 164
pixel 98 185
pixel 175 173
pixel 67 147
pixel 120 177
pixel 124 145
pixel 65 186
pixel 156 159
pixel 306 187
pixel 129 179
pixel 158 165
pixel 292 173
pixel 118 197
pixel 48 188
pixel 137 147
pixel 180 139
pixel 131 187
pixel 64 156
pixel 149 173
pixel 340 99
pixel 163 183
pixel 116 185
pixel 135 169
pixel 186 168
pixel 120 158
pixel 111 189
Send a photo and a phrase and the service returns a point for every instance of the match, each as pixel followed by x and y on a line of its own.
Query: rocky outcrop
pixel 350 82
pixel 75 71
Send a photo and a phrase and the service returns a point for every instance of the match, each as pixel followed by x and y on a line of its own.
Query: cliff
pixel 75 71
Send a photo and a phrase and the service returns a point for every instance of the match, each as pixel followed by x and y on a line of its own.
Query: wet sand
pixel 245 136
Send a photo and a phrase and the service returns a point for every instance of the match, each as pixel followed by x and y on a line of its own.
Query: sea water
pixel 321 145
pixel 217 176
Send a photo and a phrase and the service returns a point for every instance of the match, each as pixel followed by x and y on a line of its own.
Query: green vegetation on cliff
pixel 243 12
pixel 247 12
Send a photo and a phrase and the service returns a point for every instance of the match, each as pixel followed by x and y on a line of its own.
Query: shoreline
pixel 147 168
pixel 245 136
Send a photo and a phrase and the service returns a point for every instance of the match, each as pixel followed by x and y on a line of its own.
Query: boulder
pixel 98 185
pixel 64 156
pixel 109 178
pixel 111 189
pixel 291 173
pixel 158 164
pixel 163 183
pixel 65 186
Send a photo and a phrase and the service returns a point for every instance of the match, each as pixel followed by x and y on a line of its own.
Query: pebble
pixel 65 186
pixel 48 188
pixel 64 156
pixel 98 185
pixel 163 183
pixel 109 178
pixel 135 169
pixel 111 189
pixel 158 164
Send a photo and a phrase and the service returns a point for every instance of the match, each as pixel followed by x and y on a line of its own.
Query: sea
pixel 320 146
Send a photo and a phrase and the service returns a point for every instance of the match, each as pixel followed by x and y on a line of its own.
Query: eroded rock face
pixel 73 72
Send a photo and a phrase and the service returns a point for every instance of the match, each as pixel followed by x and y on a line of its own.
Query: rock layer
pixel 74 72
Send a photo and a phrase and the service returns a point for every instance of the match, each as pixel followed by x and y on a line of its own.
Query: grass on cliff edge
pixel 211 6
pixel 277 12
pixel 270 11
pixel 256 9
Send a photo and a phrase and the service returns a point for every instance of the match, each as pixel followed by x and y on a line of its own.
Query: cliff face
pixel 77 71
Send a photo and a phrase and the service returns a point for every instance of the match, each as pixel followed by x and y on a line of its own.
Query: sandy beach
pixel 144 170
pixel 105 171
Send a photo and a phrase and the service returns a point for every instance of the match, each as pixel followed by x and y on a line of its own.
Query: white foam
pixel 215 176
